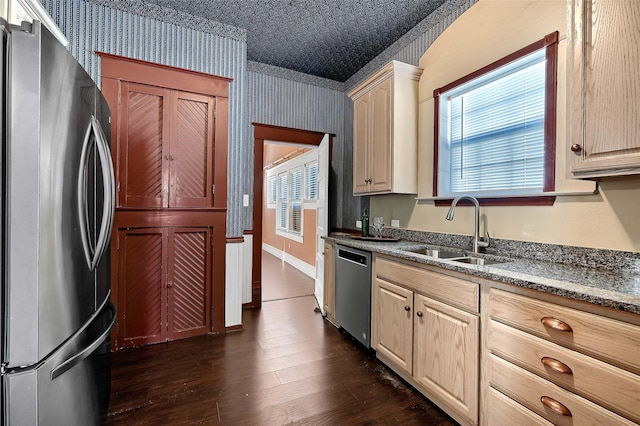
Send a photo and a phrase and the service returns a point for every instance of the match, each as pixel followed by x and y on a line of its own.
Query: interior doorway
pixel 266 134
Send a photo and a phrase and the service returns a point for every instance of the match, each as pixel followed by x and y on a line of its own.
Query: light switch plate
pixel 245 200
pixel 359 224
pixel 395 223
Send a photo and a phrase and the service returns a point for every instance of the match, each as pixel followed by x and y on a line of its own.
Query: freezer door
pixel 71 387
pixel 51 290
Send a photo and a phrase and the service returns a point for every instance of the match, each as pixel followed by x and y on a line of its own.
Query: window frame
pixel 550 44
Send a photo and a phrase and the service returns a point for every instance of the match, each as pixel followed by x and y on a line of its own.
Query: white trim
pixel 304 267
pixel 291 236
pixel 27 10
pixel 234 272
pixel 247 250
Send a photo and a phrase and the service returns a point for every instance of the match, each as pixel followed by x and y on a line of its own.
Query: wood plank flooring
pixel 288 366
pixel 281 281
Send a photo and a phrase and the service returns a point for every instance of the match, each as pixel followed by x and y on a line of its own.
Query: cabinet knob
pixel 556 324
pixel 419 313
pixel 407 308
pixel 555 406
pixel 576 147
pixel 555 365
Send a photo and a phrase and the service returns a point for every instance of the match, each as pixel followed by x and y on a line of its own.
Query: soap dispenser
pixel 365 223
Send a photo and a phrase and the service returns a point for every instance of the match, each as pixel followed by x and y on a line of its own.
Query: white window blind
pixel 295 219
pixel 311 181
pixel 282 200
pixel 272 190
pixel 492 139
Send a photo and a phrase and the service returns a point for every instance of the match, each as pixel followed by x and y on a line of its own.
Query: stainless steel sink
pixel 437 253
pixel 475 261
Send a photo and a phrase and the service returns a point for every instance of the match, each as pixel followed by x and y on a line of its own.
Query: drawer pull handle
pixel 419 313
pixel 556 324
pixel 555 365
pixel 407 308
pixel 555 406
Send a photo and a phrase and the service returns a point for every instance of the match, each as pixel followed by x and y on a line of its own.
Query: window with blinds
pixel 496 131
pixel 283 190
pixel 295 199
pixel 311 181
pixel 272 190
pixel 292 187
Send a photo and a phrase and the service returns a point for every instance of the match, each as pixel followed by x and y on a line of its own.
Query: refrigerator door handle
pixel 94 253
pixel 109 186
pixel 87 244
pixel 69 363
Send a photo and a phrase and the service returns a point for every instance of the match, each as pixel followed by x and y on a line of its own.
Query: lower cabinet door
pixel 142 294
pixel 164 281
pixel 446 355
pixel 189 277
pixel 392 328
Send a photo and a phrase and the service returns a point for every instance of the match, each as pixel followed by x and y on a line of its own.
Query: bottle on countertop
pixel 365 223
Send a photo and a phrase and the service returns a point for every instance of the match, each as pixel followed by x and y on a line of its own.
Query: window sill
pixel 542 199
pixel 298 238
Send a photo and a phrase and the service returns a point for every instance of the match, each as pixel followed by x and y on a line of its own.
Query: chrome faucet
pixel 478 242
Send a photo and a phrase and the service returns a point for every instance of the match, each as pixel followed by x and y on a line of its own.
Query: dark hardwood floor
pixel 288 366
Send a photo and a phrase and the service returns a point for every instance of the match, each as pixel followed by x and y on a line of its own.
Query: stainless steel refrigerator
pixel 57 213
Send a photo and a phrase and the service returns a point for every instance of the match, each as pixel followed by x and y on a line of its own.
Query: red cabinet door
pixel 189 280
pixel 143 146
pixel 166 148
pixel 142 262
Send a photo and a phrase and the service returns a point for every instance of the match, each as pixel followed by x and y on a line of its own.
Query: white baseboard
pixel 304 267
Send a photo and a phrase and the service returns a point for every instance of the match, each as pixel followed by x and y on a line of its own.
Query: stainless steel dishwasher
pixel 353 292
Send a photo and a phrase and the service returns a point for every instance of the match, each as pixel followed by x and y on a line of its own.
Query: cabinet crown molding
pixel 393 68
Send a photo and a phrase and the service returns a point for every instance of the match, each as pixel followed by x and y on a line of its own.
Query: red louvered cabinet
pixel 169 147
pixel 166 148
pixel 163 274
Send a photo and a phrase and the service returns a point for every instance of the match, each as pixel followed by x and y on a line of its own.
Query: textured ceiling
pixel 327 38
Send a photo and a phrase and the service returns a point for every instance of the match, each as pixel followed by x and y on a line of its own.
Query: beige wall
pixel 488 31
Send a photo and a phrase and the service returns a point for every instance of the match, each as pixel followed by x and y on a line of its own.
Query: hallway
pixel 288 366
pixel 282 281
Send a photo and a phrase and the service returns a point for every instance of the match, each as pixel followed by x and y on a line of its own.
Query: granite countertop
pixel 611 285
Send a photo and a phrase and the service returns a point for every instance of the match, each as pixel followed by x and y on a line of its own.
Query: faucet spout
pixel 478 242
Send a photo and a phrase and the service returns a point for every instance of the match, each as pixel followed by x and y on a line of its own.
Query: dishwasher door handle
pixel 356 258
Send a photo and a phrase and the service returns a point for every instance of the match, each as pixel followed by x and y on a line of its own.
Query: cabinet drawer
pixel 613 341
pixel 502 410
pixel 530 391
pixel 595 380
pixel 453 291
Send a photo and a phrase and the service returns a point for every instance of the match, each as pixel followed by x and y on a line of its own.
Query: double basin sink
pixel 454 256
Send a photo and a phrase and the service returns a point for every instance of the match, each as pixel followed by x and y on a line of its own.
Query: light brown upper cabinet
pixel 604 88
pixel 166 148
pixel 385 131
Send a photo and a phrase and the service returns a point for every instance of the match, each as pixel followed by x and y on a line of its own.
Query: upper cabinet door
pixel 361 149
pixel 604 88
pixel 166 148
pixel 385 131
pixel 143 146
pixel 192 150
pixel 380 137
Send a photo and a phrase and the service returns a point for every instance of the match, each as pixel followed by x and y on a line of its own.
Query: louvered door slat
pixel 143 170
pixel 142 268
pixel 192 150
pixel 189 275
